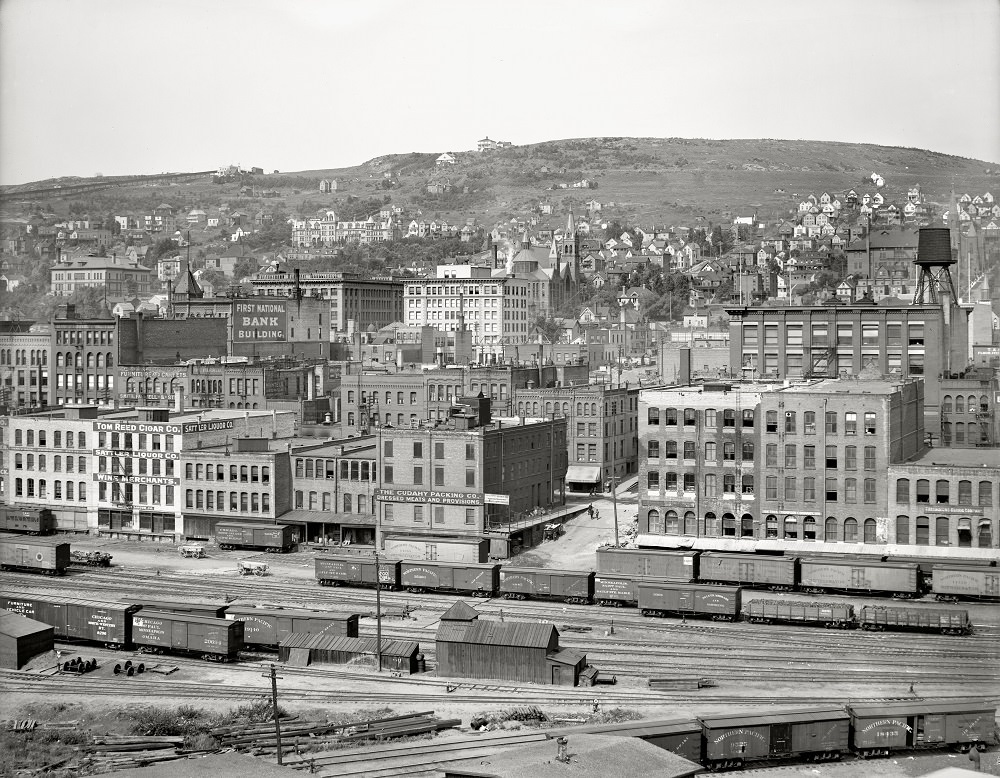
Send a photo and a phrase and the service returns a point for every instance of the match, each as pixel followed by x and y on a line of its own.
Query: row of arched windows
pixel 925 531
pixel 965 404
pixel 944 492
pixel 22 356
pixel 689 417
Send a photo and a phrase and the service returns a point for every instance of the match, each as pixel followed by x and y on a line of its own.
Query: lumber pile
pixel 679 684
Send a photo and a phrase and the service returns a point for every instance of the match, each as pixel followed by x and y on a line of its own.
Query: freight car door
pixel 933 728
pixel 991 585
pixel 178 634
pixel 746 572
pixel 858 578
pixel 781 738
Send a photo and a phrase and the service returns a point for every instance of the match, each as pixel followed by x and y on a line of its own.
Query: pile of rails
pixel 118 752
pixel 262 739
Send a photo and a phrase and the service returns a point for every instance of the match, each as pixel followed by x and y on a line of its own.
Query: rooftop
pixel 845 386
pixel 956 457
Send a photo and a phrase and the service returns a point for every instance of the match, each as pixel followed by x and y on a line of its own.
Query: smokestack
pixel 178 400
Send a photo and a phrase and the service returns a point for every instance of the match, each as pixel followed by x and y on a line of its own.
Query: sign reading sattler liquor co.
pixel 163 428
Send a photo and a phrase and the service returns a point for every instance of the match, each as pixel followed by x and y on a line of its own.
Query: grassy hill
pixel 649 180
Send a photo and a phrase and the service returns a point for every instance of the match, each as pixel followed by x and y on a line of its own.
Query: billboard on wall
pixel 264 322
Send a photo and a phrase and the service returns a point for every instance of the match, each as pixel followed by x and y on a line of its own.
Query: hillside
pixel 661 180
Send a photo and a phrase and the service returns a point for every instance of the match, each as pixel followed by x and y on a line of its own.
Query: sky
pixel 147 86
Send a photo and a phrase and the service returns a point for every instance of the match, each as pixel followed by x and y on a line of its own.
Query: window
pixel 809 422
pixel 670 417
pixel 728 525
pixel 790 421
pixel 942 492
pixel 711 485
pixel 748 451
pixel 831 422
pixel 809 457
pixel 869 457
pixel 902 529
pixel 771 526
pixel 388 448
pixel 653 449
pixel 830 530
pixel 470 476
pixel 653 481
pixel 689 450
pixel 869 490
pixel 771 455
pixel 689 482
pixel 387 512
pixel 850 490
pixel 729 484
pixel 850 530
pixel 985 493
pixel 923 490
pixel 438 450
pixel 790 487
pixel 771 421
pixel 791 528
pixel 941 531
pixel 654 521
pixel 670 481
pixel 729 452
pixel 809 489
pixel 809 528
pixel 959 404
pixel 418 474
pixel 418 513
pixel 388 474
pixel 670 523
pixel 748 416
pixel 831 489
pixel 653 416
pixel 729 418
pixel 923 531
pixel 831 457
pixel 771 487
pixel 670 449
pixel 850 457
pixel 470 452
pixel 690 417
pixel 850 423
pixel 710 417
pixel 790 456
pixel 439 476
pixel 869 422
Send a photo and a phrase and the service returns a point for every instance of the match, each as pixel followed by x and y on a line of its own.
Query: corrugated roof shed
pixel 403 648
pixel 497 633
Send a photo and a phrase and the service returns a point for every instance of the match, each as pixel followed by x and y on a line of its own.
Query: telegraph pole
pixel 274 707
pixel 378 613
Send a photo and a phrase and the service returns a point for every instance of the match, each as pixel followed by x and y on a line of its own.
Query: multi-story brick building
pixel 437 481
pixel 334 485
pixel 24 365
pixel 356 303
pixel 944 497
pixel 120 279
pixel 602 426
pixel 216 384
pixel 84 359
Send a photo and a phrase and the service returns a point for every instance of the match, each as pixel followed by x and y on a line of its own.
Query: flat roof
pixel 953 457
pixel 845 386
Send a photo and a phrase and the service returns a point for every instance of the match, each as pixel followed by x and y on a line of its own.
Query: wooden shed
pixel 304 648
pixel 22 638
pixel 508 651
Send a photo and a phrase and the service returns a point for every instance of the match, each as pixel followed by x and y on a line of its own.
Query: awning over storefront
pixel 583 474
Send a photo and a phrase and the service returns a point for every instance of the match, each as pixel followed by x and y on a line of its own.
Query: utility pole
pixel 378 613
pixel 274 707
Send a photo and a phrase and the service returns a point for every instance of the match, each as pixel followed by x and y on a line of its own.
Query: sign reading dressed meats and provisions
pixel 128 426
pixel 123 478
pixel 421 496
pixel 111 452
pixel 210 426
pixel 260 321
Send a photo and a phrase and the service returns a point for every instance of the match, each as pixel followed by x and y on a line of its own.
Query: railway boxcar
pixel 38 555
pixel 26 519
pixel 270 626
pixel 814 734
pixel 356 571
pixel 618 590
pixel 953 582
pixel 270 537
pixel 679 736
pixel 833 615
pixel 775 572
pixel 521 583
pixel 93 621
pixel 482 580
pixel 218 640
pixel 212 610
pixel 820 575
pixel 947 621
pixel 668 565
pixel 722 603
pixel 879 729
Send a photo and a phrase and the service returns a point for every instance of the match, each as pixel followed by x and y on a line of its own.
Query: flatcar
pixel 721 603
pixel 212 610
pixel 817 576
pixel 773 572
pixel 26 519
pixel 880 729
pixel 947 621
pixel 268 627
pixel 356 571
pixel 272 538
pixel 815 734
pixel 951 583
pixel 36 555
pixel 90 621
pixel 522 583
pixel 831 615
pixel 667 565
pixel 216 640
pixel 480 580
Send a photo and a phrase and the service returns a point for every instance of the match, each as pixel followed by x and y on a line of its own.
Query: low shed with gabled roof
pixel 22 638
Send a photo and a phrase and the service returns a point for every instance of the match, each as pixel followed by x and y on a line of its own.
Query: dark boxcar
pixel 39 555
pixel 947 621
pixel 878 729
pixel 668 565
pixel 521 583
pixel 29 520
pixel 775 572
pixel 211 610
pixel 722 603
pixel 952 582
pixel 218 640
pixel 617 590
pixel 270 537
pixel 679 736
pixel 482 580
pixel 819 575
pixel 269 626
pixel 356 571
pixel 827 614
pixel 821 733
pixel 93 621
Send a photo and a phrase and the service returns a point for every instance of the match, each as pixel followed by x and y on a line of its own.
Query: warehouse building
pixel 505 650
pixel 22 638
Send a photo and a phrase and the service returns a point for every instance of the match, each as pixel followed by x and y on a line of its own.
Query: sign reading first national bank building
pixel 265 322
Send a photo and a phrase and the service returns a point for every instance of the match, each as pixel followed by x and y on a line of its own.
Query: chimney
pixel 178 400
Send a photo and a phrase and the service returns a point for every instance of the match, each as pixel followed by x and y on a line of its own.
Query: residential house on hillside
pixel 445 159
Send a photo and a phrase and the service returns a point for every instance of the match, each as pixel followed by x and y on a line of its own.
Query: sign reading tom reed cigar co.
pixel 260 321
